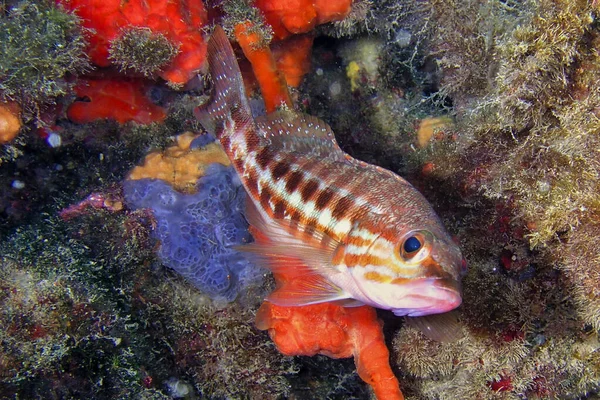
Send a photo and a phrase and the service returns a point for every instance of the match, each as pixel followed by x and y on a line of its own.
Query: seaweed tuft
pixel 142 51
pixel 40 45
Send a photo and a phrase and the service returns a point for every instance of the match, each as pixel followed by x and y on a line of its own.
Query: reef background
pixel 511 165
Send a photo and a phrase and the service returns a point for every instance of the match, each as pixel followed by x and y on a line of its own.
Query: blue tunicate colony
pixel 198 231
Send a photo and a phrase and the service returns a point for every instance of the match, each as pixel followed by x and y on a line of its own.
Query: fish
pixel 339 229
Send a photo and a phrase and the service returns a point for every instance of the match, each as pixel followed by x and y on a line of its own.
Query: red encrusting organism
pixel 287 59
pixel 120 99
pixel 179 21
pixel 292 57
pixel 288 17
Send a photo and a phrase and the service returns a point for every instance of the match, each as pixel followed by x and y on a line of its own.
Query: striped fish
pixel 360 233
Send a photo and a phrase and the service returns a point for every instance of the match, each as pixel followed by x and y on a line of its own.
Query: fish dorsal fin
pixel 292 131
pixel 228 97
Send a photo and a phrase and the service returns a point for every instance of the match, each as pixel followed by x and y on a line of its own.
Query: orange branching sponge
pixel 179 165
pixel 292 57
pixel 179 21
pixel 10 121
pixel 120 99
pixel 337 332
pixel 272 84
pixel 288 17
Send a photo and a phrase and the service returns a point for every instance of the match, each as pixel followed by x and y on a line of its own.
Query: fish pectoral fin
pixel 282 244
pixel 305 290
pixel 275 261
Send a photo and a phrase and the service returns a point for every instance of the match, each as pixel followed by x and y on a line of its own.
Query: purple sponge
pixel 198 232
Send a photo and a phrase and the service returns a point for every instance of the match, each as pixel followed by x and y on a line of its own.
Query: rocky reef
pixel 490 108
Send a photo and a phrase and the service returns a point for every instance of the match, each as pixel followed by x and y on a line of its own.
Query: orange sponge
pixel 288 17
pixel 10 121
pixel 329 329
pixel 179 21
pixel 179 165
pixel 272 83
pixel 337 332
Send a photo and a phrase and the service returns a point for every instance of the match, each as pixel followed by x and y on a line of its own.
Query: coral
pixel 85 316
pixel 182 164
pixel 10 121
pixel 120 99
pixel 40 46
pixel 141 50
pixel 61 310
pixel 226 356
pixel 113 21
pixel 198 231
pixel 534 140
pixel 519 331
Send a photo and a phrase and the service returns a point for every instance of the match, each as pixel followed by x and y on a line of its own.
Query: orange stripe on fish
pixel 360 232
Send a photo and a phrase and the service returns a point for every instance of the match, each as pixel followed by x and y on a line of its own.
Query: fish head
pixel 412 272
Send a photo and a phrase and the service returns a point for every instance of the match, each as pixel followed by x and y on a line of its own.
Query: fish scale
pixel 359 233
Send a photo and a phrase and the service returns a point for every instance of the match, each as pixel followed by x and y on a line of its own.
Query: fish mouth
pixel 430 296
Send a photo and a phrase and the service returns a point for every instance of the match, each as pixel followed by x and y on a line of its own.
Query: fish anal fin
pixel 349 303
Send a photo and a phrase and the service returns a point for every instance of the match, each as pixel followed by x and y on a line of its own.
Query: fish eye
pixel 416 246
pixel 412 244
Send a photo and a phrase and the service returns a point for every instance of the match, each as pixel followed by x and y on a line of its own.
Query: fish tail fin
pixel 227 111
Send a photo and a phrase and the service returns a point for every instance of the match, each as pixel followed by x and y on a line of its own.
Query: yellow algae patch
pixel 179 165
pixel 429 126
pixel 353 73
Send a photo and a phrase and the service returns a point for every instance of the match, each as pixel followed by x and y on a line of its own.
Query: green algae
pixel 140 50
pixel 40 45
